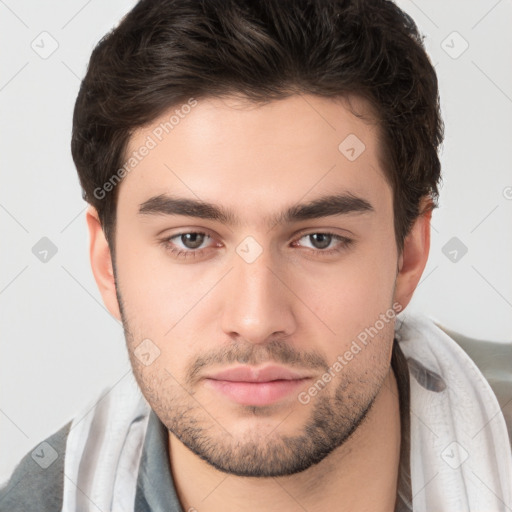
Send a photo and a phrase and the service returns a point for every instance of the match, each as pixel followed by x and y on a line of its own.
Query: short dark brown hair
pixel 164 52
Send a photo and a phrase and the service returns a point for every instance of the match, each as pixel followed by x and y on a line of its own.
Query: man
pixel 261 178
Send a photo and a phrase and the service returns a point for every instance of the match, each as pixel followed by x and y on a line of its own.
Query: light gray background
pixel 59 345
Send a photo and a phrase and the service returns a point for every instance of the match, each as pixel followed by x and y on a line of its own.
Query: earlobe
pixel 101 262
pixel 414 256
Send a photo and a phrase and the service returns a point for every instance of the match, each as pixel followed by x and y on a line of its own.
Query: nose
pixel 258 304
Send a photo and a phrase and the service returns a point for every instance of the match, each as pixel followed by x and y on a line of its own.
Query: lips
pixel 248 385
pixel 254 374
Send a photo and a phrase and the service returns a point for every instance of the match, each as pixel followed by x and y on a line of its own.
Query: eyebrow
pixel 325 206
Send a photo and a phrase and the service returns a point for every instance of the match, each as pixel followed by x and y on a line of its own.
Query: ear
pixel 101 262
pixel 414 256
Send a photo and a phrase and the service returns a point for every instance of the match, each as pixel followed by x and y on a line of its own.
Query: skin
pixel 215 307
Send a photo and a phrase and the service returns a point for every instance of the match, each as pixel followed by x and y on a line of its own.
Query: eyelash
pixel 192 253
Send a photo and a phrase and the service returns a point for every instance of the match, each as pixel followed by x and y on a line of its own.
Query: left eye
pixel 322 240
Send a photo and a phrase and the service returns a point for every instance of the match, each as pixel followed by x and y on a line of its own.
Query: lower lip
pixel 256 393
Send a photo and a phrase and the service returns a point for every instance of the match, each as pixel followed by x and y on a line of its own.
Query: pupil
pixel 326 240
pixel 192 240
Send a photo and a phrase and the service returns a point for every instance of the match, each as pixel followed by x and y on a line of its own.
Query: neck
pixel 361 475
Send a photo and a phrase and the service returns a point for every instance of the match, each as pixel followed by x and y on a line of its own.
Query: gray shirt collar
pixel 155 486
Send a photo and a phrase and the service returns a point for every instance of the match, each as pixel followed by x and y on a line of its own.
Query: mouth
pixel 255 386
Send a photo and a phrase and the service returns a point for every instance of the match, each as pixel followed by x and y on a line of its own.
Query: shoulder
pixel 37 481
pixel 494 360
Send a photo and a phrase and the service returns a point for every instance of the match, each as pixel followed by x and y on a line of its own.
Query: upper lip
pixel 255 374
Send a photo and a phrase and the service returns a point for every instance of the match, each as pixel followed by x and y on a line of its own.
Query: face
pixel 235 312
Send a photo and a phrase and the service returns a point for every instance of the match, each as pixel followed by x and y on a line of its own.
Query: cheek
pixel 161 302
pixel 156 292
pixel 351 294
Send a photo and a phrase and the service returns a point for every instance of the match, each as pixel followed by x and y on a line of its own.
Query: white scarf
pixel 461 459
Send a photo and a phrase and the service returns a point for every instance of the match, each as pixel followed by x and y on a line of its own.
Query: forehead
pixel 253 156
